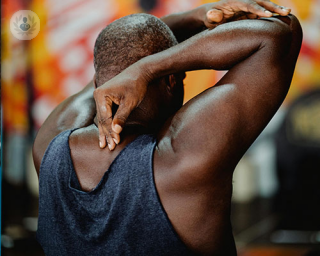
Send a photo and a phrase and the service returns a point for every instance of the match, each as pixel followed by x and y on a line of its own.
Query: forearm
pixel 219 49
pixel 185 24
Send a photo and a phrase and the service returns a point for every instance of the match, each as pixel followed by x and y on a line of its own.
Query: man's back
pixel 122 214
pixel 197 215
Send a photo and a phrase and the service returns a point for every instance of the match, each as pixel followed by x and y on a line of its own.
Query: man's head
pixel 124 42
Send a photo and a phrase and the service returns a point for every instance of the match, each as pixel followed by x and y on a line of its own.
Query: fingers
pixel 105 134
pixel 272 7
pixel 254 8
pixel 104 116
pixel 265 8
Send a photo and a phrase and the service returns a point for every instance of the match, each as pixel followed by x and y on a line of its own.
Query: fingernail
pixel 109 146
pixel 211 12
pixel 115 141
pixel 117 128
pixel 100 144
pixel 267 12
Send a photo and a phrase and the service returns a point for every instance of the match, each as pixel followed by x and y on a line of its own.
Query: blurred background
pixel 276 200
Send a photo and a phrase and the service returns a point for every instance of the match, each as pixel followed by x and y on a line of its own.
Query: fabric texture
pixel 123 215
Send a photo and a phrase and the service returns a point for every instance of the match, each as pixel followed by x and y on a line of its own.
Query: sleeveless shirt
pixel 122 215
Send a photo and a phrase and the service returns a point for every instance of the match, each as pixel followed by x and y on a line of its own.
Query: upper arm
pixel 213 130
pixel 52 126
pixel 74 112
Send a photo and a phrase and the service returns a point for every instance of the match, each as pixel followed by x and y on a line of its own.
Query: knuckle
pixel 256 7
pixel 108 99
pixel 248 7
pixel 104 121
pixel 103 135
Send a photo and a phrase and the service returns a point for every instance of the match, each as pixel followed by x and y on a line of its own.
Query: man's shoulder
pixel 43 141
pixel 84 140
pixel 55 154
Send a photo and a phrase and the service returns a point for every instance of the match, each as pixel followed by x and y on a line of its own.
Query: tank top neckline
pixel 73 181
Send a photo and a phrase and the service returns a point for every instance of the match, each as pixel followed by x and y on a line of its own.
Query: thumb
pixel 214 16
pixel 121 117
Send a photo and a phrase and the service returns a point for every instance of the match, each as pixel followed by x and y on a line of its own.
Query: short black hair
pixel 127 40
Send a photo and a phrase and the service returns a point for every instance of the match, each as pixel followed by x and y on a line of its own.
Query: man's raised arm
pixel 260 55
pixel 213 130
pixel 184 25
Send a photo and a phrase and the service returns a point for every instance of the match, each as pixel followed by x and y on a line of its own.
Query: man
pixel 165 188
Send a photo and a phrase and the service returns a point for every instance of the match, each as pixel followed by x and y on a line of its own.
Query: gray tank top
pixel 123 215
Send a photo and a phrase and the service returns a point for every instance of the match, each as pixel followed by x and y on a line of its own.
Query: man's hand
pixel 223 11
pixel 126 90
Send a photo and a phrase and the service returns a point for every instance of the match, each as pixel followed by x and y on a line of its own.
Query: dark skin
pixel 199 146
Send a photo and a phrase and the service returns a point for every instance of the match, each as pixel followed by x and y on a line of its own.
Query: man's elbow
pixel 296 32
pixel 289 33
pixel 284 40
pixel 295 25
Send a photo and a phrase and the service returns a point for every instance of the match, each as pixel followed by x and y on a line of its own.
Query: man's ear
pixel 171 82
pixel 94 81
